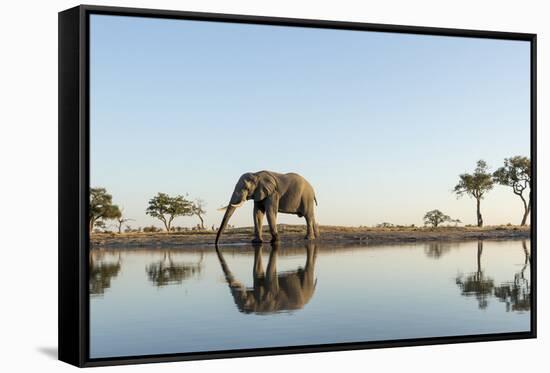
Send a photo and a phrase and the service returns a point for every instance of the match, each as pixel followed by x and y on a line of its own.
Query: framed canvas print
pixel 238 185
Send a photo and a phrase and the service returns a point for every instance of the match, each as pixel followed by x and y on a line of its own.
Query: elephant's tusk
pixel 238 204
pixel 235 205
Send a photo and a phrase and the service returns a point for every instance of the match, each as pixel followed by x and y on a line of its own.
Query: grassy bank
pixel 296 233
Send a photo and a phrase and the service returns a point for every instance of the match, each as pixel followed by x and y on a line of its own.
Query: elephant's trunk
pixel 230 210
pixel 226 271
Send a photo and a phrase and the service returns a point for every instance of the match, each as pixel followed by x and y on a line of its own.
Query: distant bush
pixel 151 229
pixel 129 229
pixel 181 229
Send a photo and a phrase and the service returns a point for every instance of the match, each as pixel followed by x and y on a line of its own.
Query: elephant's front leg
pixel 271 208
pixel 272 280
pixel 258 271
pixel 258 222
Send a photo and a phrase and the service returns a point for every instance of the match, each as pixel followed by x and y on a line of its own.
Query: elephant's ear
pixel 265 187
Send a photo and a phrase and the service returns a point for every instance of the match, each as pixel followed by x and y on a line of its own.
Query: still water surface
pixel 169 301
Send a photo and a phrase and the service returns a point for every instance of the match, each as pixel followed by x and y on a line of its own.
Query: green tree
pixel 166 208
pixel 436 217
pixel 100 224
pixel 516 173
pixel 101 207
pixel 198 209
pixel 475 185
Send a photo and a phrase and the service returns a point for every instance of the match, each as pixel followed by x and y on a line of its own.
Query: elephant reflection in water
pixel 273 292
pixel 516 294
pixel 167 271
pixel 101 272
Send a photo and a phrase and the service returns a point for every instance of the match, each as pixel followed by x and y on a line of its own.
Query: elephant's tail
pixel 315 199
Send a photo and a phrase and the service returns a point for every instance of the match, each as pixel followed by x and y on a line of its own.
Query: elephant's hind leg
pixel 311 230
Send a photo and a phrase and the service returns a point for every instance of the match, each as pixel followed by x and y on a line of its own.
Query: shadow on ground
pixel 51 352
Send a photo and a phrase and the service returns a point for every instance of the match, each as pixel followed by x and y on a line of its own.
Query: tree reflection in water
pixel 515 294
pixel 436 250
pixel 101 272
pixel 477 284
pixel 168 272
pixel 273 292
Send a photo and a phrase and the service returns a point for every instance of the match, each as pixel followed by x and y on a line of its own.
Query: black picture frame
pixel 74 183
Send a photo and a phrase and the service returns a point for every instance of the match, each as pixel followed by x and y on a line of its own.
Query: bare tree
pixel 198 208
pixel 121 220
pixel 456 221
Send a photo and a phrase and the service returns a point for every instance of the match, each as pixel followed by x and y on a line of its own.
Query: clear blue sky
pixel 381 124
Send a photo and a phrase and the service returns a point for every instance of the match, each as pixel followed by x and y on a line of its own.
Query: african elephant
pixel 272 193
pixel 273 292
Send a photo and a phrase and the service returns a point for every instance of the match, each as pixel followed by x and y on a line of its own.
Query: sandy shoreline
pixel 295 235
